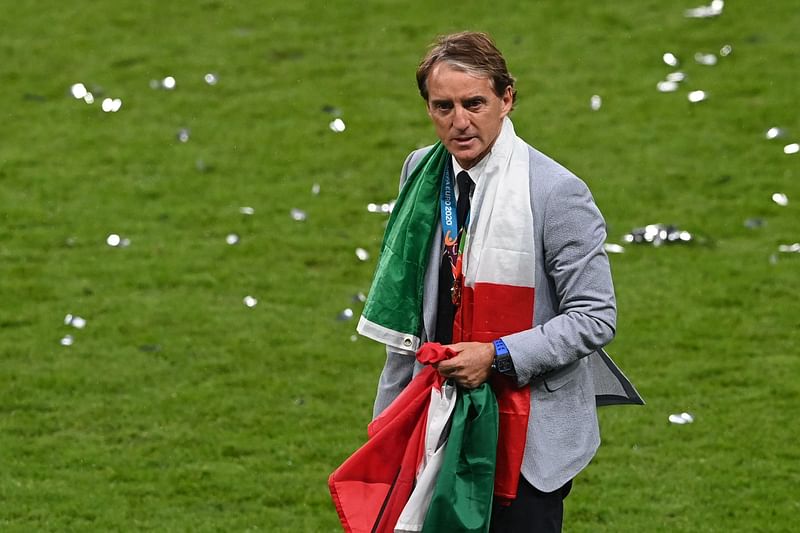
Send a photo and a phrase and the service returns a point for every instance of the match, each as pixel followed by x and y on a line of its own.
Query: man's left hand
pixel 472 366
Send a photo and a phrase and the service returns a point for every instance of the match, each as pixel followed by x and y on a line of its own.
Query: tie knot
pixel 464 182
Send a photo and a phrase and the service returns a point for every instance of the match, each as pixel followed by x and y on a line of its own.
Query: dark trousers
pixel 533 511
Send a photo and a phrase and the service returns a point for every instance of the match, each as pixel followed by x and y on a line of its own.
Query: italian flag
pixel 497 299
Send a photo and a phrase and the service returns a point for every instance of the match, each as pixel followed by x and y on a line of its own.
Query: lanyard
pixel 453 243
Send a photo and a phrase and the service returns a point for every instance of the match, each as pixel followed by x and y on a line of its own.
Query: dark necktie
pixel 446 311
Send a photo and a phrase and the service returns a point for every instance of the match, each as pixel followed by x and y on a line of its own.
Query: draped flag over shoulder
pixel 392 312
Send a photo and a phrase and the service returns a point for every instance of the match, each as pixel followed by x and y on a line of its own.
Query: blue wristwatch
pixel 502 359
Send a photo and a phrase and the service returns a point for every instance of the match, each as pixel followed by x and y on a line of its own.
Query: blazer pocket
pixel 558 378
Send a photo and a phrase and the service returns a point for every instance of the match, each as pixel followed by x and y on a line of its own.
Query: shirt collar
pixel 475 172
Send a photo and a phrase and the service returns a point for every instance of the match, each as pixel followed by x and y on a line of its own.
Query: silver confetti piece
pixel 250 301
pixel 790 149
pixel 183 135
pixel 670 59
pixel 347 314
pixel 705 59
pixel 667 86
pixel 360 297
pixel 111 105
pixel 67 340
pixel 726 50
pixel 697 96
pixel 210 78
pixel 754 223
pixel 78 91
pixel 168 83
pixel 362 254
pixel 298 214
pixel 381 208
pixel 231 239
pixel 247 210
pixel 595 102
pixel 115 241
pixel 88 98
pixel 613 248
pixel 775 132
pixel 677 76
pixel 315 189
pixel 75 321
pixel 789 248
pixel 681 419
pixel 658 234
pixel 714 9
pixel 780 198
pixel 337 125
pixel 353 338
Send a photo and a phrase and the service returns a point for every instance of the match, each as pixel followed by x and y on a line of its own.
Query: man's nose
pixel 461 118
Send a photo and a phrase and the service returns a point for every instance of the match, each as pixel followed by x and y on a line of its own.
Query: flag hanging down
pixel 429 460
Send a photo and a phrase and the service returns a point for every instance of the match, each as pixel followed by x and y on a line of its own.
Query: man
pixel 516 275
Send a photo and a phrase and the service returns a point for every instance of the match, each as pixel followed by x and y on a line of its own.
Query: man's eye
pixel 473 104
pixel 444 106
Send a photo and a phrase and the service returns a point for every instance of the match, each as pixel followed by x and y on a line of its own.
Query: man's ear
pixel 508 101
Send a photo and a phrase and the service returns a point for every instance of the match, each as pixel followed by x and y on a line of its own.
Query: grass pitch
pixel 179 408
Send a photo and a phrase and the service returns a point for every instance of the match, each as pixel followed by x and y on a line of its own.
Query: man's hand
pixel 472 366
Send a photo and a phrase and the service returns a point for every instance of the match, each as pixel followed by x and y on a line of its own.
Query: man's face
pixel 466 112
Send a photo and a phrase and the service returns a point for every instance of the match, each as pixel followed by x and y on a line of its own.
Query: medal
pixel 455 291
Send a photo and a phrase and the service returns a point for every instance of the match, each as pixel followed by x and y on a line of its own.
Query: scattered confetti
pixel 667 86
pixel 775 132
pixel 250 301
pixel 681 419
pixel 111 105
pixel 754 223
pixel 75 321
pixel 115 241
pixel 210 78
pixel 337 125
pixel 78 91
pixel 381 208
pixel 67 340
pixel 232 239
pixel 726 50
pixel 677 76
pixel 789 248
pixel 614 248
pixel 714 9
pixel 347 314
pixel 705 59
pixel 658 234
pixel 697 96
pixel 362 254
pixel 595 102
pixel 183 135
pixel 298 214
pixel 315 189
pixel 781 199
pixel 247 210
pixel 670 59
pixel 791 148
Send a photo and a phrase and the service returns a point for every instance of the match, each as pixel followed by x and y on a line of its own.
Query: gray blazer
pixel 561 357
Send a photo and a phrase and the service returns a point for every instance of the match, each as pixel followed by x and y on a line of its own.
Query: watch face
pixel 504 364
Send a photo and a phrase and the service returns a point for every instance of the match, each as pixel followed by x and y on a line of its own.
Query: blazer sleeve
pixel 578 275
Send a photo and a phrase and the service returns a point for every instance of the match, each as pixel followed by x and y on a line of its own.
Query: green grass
pixel 180 409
